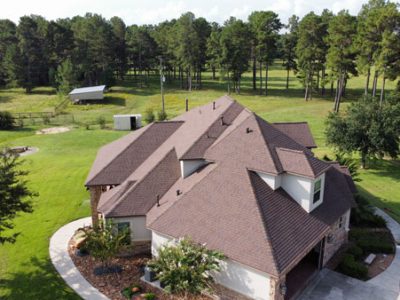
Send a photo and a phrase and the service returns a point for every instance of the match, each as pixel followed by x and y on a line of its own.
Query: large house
pixel 223 176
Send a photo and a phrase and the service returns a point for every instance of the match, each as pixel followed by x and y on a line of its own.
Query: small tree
pixel 6 120
pixel 102 122
pixel 371 128
pixel 105 242
pixel 14 193
pixel 65 77
pixel 149 116
pixel 161 115
pixel 186 267
pixel 351 164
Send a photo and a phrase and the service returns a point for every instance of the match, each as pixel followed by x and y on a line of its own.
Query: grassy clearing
pixel 57 172
pixel 59 169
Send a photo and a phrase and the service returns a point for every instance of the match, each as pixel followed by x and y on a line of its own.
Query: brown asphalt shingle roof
pixel 289 227
pixel 139 198
pixel 225 203
pixel 298 131
pixel 133 154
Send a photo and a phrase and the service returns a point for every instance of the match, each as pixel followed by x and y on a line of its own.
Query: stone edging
pixel 65 266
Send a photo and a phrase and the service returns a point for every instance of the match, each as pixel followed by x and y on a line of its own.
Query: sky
pixel 154 11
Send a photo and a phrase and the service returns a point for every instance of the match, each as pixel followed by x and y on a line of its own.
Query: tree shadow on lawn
pixel 41 283
pixel 385 168
pixel 389 206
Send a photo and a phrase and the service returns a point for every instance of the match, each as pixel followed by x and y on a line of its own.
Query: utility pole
pixel 162 79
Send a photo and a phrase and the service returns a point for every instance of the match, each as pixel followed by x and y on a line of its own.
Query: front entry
pixel 299 277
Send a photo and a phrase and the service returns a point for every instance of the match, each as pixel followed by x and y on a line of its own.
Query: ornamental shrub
pixel 186 267
pixel 149 116
pixel 6 120
pixel 353 268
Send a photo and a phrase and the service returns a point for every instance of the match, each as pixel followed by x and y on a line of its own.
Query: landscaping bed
pixel 111 285
pixel 350 260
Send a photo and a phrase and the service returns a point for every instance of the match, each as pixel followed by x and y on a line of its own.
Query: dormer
pixel 307 192
pixel 189 166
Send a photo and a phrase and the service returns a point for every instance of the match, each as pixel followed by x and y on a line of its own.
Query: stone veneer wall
pixel 274 290
pixel 339 237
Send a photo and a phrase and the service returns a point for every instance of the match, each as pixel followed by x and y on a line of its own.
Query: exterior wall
pixel 273 181
pixel 338 237
pixel 87 96
pixel 299 188
pixel 137 225
pixel 190 166
pixel 157 240
pixel 244 280
pixel 233 275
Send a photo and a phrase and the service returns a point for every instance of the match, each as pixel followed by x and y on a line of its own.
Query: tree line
pixel 323 50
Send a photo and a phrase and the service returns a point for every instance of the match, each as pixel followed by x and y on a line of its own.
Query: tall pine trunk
pixel 374 84
pixel 367 82
pixel 287 78
pixel 382 89
pixel 189 80
pixel 266 79
pixel 318 80
pixel 254 73
pixel 261 78
pixel 323 81
pixel 213 72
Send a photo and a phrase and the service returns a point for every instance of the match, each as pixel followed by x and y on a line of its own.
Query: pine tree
pixel 288 44
pixel 265 26
pixel 341 53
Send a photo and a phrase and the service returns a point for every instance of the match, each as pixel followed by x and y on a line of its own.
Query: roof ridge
pixel 119 154
pixel 137 182
pixel 267 238
pixel 208 128
pixel 215 144
pixel 258 120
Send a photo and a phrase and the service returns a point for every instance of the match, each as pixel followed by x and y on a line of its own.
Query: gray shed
pixel 87 93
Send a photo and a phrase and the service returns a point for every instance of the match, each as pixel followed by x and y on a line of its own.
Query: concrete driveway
pixel 331 285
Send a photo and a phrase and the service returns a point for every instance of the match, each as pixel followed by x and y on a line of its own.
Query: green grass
pixel 57 172
pixel 59 169
pixel 41 99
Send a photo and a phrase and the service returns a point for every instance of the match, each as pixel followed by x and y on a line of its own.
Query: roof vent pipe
pixel 248 130
pixel 158 200
pixel 213 105
pixel 178 192
pixel 187 104
pixel 222 121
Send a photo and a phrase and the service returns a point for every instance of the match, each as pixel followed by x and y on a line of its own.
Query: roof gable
pixel 298 131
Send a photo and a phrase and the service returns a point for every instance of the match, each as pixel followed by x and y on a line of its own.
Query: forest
pixel 323 50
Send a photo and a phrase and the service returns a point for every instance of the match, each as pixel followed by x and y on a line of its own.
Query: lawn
pixel 59 169
pixel 57 173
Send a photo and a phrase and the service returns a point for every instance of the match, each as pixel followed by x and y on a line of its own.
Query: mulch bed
pixel 112 284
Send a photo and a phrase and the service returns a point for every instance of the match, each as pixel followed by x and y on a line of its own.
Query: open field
pixel 58 170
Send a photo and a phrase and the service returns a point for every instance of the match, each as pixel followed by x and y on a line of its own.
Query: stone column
pixel 274 289
pixel 95 192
